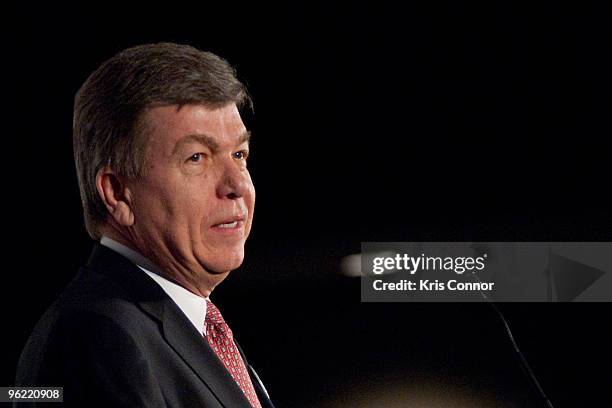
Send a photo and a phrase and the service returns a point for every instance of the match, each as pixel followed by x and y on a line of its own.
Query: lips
pixel 229 223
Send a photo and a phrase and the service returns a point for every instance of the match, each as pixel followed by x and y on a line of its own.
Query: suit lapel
pixel 194 350
pixel 177 330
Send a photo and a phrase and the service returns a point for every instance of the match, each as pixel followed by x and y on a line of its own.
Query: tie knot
pixel 213 315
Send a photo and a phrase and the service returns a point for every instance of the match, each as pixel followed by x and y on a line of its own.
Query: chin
pixel 224 261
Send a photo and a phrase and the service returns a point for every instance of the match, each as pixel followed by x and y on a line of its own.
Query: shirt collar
pixel 192 305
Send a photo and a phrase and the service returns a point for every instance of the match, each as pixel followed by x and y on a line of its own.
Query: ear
pixel 116 196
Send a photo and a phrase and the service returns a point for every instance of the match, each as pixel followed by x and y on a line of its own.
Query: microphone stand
pixel 524 364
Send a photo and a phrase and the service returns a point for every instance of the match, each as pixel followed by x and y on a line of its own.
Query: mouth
pixel 229 225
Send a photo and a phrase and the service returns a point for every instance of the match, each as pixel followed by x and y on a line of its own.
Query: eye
pixel 196 158
pixel 241 155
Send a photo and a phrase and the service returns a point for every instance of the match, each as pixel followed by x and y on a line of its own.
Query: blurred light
pixel 350 265
pixel 416 393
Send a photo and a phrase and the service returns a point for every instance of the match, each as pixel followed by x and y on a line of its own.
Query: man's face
pixel 194 207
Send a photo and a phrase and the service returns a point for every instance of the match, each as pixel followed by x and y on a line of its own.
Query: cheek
pixel 179 210
pixel 150 205
pixel 250 204
pixel 251 193
pixel 195 212
pixel 252 197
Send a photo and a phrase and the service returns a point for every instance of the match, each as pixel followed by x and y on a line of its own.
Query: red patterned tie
pixel 220 338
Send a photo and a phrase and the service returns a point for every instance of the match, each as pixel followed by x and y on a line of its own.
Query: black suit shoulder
pixel 114 338
pixel 96 330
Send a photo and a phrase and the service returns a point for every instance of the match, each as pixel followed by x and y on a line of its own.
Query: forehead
pixel 166 125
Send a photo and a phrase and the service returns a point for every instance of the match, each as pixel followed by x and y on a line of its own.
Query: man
pixel 160 150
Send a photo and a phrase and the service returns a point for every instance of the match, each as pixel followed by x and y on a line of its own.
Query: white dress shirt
pixel 192 305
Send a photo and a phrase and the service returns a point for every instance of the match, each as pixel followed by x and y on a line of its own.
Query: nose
pixel 235 182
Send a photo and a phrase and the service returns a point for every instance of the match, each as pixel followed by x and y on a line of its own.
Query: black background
pixel 444 122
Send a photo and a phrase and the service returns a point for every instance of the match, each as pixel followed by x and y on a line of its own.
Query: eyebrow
pixel 207 140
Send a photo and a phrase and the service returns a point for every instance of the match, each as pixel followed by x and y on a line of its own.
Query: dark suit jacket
pixel 115 339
